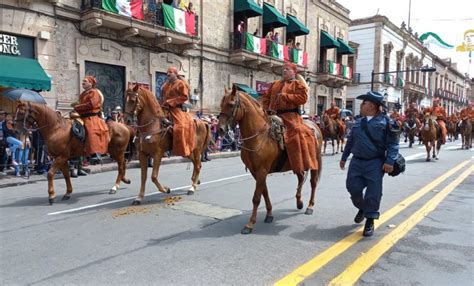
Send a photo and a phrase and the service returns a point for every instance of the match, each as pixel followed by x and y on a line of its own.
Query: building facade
pixel 72 39
pixel 392 61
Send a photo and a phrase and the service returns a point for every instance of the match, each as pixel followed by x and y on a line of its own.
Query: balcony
pixel 334 74
pixel 414 88
pixel 262 53
pixel 151 22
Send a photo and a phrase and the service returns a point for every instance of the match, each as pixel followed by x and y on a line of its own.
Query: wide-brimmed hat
pixel 374 97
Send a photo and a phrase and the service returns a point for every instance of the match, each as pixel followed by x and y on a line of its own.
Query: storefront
pixel 20 69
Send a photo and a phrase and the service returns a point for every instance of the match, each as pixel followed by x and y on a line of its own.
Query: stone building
pixel 72 39
pixel 403 69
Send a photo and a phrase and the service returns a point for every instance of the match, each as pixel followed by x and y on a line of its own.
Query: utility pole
pixel 409 13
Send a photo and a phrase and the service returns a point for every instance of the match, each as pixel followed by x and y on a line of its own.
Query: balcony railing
pixel 356 78
pixel 335 69
pixel 148 13
pixel 262 46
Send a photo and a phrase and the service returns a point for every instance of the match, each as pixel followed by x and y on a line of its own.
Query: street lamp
pixel 423 69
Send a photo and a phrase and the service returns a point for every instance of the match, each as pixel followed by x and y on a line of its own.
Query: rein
pixel 26 120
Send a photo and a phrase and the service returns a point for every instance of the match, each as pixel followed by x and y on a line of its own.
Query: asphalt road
pixel 100 239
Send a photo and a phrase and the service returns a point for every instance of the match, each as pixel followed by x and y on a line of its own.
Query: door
pixel 111 82
pixel 159 82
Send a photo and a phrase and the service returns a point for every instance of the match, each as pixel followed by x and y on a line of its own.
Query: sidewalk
pixel 10 180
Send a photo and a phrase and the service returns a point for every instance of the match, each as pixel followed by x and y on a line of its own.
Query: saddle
pixel 277 129
pixel 77 129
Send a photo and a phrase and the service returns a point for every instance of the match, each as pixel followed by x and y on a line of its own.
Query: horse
pixel 451 128
pixel 63 145
pixel 466 133
pixel 431 136
pixel 261 152
pixel 153 138
pixel 410 129
pixel 331 130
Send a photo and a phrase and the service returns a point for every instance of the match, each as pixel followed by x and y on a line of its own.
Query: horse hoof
pixel 199 182
pixel 246 230
pixel 268 219
pixel 308 211
pixel 51 201
pixel 299 205
pixel 65 198
pixel 190 193
pixel 136 202
pixel 427 160
pixel 112 192
pixel 168 190
pixel 437 158
pixel 126 181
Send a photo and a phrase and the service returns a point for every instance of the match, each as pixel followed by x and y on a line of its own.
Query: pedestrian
pixel 298 46
pixel 255 33
pixel 276 38
pixel 239 35
pixel 373 142
pixel 3 143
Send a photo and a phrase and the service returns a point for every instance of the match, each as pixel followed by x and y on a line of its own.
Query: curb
pixel 96 169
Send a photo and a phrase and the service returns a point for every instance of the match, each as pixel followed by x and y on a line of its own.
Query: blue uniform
pixel 365 169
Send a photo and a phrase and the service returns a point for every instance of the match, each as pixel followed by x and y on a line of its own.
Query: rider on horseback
pixel 440 114
pixel 334 112
pixel 89 108
pixel 283 98
pixel 413 111
pixel 175 93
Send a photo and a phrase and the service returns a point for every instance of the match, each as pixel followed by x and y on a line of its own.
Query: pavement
pixel 10 180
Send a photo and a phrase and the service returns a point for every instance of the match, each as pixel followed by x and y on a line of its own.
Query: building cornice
pixel 333 11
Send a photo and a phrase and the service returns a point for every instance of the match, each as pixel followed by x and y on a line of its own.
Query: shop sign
pixel 11 45
pixel 262 86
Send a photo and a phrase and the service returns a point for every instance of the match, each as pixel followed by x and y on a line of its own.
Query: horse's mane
pixel 49 115
pixel 151 101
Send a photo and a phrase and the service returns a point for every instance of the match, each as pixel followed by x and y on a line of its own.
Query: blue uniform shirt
pixel 386 145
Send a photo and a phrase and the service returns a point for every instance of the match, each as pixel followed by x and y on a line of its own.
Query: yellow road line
pixel 366 260
pixel 317 262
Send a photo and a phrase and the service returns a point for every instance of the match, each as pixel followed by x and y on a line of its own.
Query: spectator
pixel 290 43
pixel 190 8
pixel 276 38
pixel 3 144
pixel 255 33
pixel 269 36
pixel 13 142
pixel 182 5
pixel 269 40
pixel 239 34
pixel 23 155
pixel 298 46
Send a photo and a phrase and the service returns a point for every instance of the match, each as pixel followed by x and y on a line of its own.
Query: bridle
pixel 28 118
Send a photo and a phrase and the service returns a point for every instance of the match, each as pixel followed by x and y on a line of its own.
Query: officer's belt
pixel 368 159
pixel 281 111
pixel 90 114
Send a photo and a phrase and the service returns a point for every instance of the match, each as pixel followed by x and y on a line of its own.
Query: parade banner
pixel 177 20
pixel 433 38
pixel 129 8
pixel 255 44
pixel 468 44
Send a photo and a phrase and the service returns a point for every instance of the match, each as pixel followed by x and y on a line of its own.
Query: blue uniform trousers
pixel 366 174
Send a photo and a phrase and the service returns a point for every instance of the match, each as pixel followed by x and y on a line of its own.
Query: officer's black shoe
pixel 359 217
pixel 369 227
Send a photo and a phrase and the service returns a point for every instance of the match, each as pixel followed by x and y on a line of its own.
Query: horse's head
pixel 231 111
pixel 133 103
pixel 24 116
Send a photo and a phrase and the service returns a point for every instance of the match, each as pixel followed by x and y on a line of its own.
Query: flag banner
pixel 286 53
pixel 305 59
pixel 178 20
pixel 294 55
pixel 300 57
pixel 263 46
pixel 280 52
pixel 334 68
pixel 433 38
pixel 346 72
pixel 129 8
pixel 254 44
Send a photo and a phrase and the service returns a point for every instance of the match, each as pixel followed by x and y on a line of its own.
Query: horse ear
pixel 135 88
pixel 234 88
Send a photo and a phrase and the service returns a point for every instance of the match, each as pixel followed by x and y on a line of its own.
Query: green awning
pixel 26 73
pixel 344 48
pixel 327 41
pixel 248 8
pixel 245 88
pixel 271 17
pixel 295 27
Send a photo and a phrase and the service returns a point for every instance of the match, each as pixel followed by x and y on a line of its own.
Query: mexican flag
pixel 255 44
pixel 178 20
pixel 346 72
pixel 129 8
pixel 277 51
pixel 299 57
pixel 334 68
pixel 400 81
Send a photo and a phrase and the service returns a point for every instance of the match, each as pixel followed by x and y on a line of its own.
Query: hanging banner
pixel 468 44
pixel 433 38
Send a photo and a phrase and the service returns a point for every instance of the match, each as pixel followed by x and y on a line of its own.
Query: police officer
pixel 372 157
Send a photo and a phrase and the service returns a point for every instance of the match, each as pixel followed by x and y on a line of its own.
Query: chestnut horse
pixel 331 130
pixel 153 139
pixel 452 130
pixel 431 136
pixel 466 133
pixel 410 129
pixel 63 145
pixel 260 152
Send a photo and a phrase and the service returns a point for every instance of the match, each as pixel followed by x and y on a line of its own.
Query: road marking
pixel 146 195
pixel 367 259
pixel 414 156
pixel 320 260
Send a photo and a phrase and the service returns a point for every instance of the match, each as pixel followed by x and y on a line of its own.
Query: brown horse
pixel 63 145
pixel 451 128
pixel 410 129
pixel 331 130
pixel 431 136
pixel 153 139
pixel 466 133
pixel 260 152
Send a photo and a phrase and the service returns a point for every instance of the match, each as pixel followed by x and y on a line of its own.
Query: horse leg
pixel 342 144
pixel 58 161
pixel 314 183
pixel 332 143
pixel 196 158
pixel 325 143
pixel 299 202
pixel 428 150
pixel 260 185
pixel 143 168
pixel 268 205
pixel 338 144
pixel 120 158
pixel 67 178
pixel 156 169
